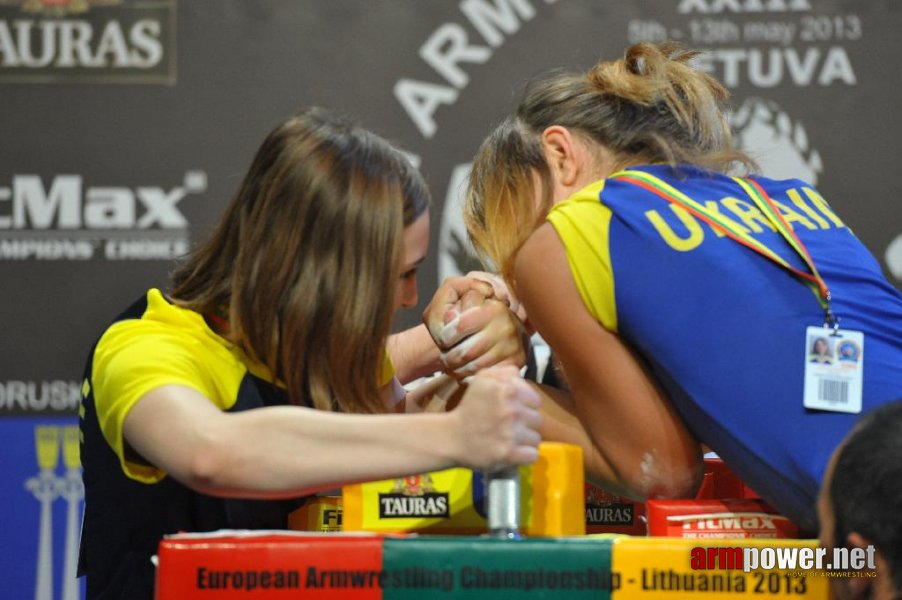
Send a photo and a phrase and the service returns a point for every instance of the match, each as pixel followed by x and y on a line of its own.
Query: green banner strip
pixel 495 569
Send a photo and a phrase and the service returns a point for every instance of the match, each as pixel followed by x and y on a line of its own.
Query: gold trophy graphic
pixel 72 489
pixel 45 489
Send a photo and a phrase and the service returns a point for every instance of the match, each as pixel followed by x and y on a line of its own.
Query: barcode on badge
pixel 833 390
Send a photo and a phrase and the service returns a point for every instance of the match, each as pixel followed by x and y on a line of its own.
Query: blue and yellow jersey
pixel 722 327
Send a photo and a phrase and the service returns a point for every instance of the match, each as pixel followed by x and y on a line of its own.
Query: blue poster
pixel 43 498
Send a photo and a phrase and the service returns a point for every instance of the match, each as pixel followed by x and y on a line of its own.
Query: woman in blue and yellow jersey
pixel 681 302
pixel 222 402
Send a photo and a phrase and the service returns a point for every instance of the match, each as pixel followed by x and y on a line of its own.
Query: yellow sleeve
pixel 582 222
pixel 134 357
pixel 387 372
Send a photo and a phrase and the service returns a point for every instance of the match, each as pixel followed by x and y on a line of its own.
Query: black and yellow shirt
pixel 129 504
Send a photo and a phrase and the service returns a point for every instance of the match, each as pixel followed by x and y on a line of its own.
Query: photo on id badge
pixel 833 370
pixel 820 349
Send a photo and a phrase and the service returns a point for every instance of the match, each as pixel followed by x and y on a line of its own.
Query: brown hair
pixel 864 493
pixel 651 106
pixel 306 258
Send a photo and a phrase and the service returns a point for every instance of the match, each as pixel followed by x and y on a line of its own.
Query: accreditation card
pixel 834 366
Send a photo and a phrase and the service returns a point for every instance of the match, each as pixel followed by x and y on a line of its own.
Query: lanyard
pixel 813 280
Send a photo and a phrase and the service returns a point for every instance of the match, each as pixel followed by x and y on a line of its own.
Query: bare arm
pixel 413 353
pixel 441 393
pixel 638 444
pixel 289 451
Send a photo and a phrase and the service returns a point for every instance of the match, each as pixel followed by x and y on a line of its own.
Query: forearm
pixel 438 394
pixel 610 456
pixel 643 446
pixel 414 354
pixel 636 430
pixel 561 424
pixel 286 451
pixel 282 451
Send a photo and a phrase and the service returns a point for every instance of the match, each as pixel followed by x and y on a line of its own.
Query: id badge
pixel 834 365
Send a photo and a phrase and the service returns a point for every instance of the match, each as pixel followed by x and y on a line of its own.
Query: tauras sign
pixel 48 41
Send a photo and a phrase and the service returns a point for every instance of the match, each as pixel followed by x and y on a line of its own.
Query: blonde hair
pixel 306 257
pixel 651 106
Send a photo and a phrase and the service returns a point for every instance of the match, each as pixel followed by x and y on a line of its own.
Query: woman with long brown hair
pixel 259 376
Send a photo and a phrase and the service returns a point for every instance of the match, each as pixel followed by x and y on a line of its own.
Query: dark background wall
pixel 127 125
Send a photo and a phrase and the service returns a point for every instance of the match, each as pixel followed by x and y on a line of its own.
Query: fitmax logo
pixel 64 220
pixel 69 206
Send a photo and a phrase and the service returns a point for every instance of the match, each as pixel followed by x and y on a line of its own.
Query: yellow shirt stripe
pixel 583 223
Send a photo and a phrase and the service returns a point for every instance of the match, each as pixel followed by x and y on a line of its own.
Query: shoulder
pixel 779 185
pixel 580 216
pixel 156 334
pixel 585 202
pixel 541 250
pixel 163 345
pixel 156 321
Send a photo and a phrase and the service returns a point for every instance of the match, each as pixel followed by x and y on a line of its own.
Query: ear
pixel 856 540
pixel 564 155
pixel 861 586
